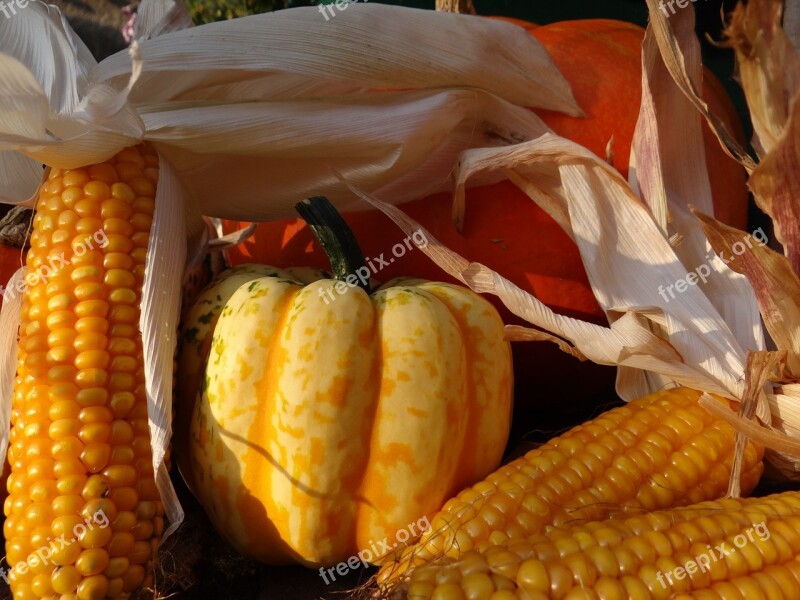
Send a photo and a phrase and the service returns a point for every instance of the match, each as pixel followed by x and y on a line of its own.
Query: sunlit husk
pixel 161 307
pixel 10 312
pixel 244 87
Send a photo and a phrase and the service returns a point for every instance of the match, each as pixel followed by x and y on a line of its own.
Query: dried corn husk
pixel 638 237
pixel 9 326
pixel 248 117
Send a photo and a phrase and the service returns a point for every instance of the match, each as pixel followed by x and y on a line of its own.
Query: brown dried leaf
pixel 676 64
pixel 776 187
pixel 669 153
pixel 768 66
pixel 10 315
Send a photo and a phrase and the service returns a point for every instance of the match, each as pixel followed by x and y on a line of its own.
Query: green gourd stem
pixel 335 237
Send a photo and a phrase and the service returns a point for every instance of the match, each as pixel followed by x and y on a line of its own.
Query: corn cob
pixel 742 548
pixel 83 515
pixel 660 451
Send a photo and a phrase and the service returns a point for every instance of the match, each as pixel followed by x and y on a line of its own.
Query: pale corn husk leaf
pixel 777 287
pixel 404 144
pixel 785 408
pixel 28 119
pixel 23 102
pixel 658 143
pixel 18 177
pixel 768 67
pixel 592 191
pixel 157 17
pixel 9 326
pixel 408 48
pixel 161 296
pixel 674 57
pixel 668 174
pixel 40 38
pixel 517 333
pixel 257 65
pixel 104 102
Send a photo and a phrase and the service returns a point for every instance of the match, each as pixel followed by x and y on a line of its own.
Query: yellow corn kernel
pixel 121 545
pixel 92 562
pixel 134 577
pixel 93 588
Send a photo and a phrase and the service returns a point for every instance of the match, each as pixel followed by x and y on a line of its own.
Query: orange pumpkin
pixel 505 230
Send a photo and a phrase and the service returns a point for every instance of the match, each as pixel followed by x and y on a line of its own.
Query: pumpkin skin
pixel 324 426
pixel 507 232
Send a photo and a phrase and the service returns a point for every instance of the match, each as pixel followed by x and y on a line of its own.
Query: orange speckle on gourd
pixel 317 451
pixel 387 385
pixel 417 412
pixel 395 453
pixel 245 368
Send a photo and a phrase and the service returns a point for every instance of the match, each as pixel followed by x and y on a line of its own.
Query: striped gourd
pixel 83 515
pixel 747 549
pixel 659 451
